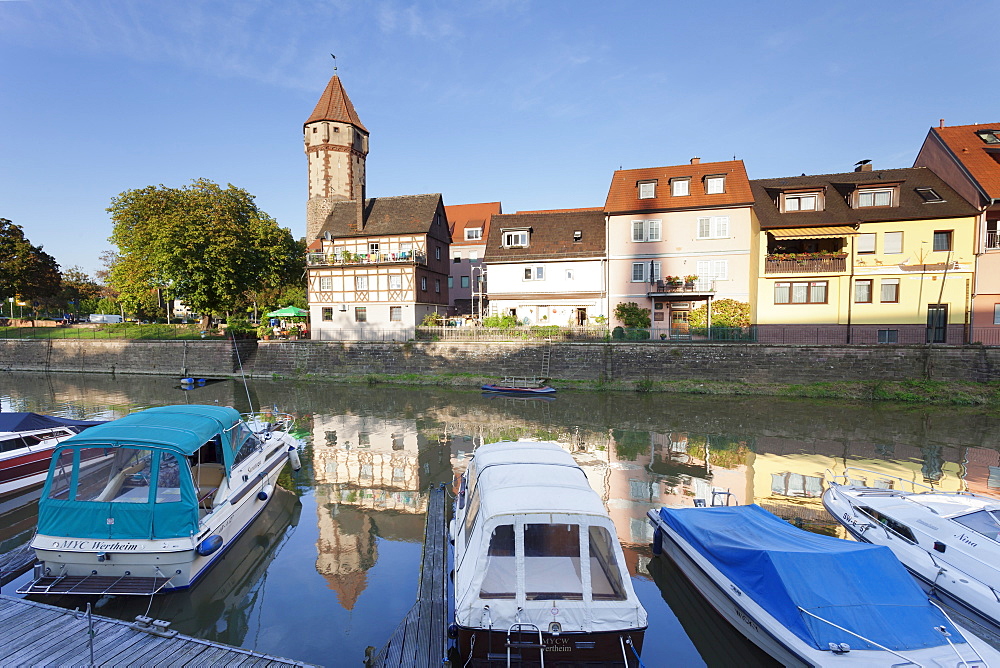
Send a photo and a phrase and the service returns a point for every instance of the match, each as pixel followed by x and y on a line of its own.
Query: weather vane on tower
pixel 334 62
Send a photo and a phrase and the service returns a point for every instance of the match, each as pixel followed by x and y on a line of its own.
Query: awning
pixel 812 232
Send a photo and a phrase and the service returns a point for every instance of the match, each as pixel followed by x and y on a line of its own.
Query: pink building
pixel 679 237
pixel 470 228
pixel 967 157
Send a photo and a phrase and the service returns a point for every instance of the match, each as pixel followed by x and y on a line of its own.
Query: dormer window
pixel 647 189
pixel 930 195
pixel 473 233
pixel 680 187
pixel 989 136
pixel 577 236
pixel 514 238
pixel 715 185
pixel 800 202
pixel 874 197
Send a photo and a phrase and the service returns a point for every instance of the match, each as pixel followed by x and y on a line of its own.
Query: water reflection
pixel 324 590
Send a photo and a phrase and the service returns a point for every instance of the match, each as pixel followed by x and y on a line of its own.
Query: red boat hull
pixel 21 471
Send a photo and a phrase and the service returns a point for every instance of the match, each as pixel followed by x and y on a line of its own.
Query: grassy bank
pixel 938 393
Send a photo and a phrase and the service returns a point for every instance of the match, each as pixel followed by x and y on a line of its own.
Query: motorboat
pixel 539 573
pixel 949 541
pixel 147 503
pixel 809 599
pixel 26 444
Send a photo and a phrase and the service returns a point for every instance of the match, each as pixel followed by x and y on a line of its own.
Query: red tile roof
pixel 334 105
pixel 591 208
pixel 461 216
pixel 975 155
pixel 623 196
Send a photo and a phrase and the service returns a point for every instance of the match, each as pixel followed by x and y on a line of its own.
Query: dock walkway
pixel 421 639
pixel 35 634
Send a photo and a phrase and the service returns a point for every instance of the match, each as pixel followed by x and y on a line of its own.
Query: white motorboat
pixel 808 599
pixel 147 503
pixel 26 444
pixel 540 576
pixel 949 541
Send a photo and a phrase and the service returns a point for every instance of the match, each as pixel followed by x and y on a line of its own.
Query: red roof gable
pixel 982 160
pixel 334 105
pixel 623 196
pixel 461 216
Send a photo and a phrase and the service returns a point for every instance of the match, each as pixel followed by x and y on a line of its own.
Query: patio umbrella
pixel 288 312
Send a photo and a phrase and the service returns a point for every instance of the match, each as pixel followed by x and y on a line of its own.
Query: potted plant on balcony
pixel 689 280
pixel 673 280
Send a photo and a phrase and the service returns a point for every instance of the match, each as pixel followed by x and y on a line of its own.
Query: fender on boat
pixel 293 458
pixel 209 545
pixel 264 493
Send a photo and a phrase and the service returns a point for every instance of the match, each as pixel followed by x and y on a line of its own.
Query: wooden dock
pixel 33 634
pixel 421 639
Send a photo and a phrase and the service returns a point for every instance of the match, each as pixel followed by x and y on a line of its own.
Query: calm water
pixel 332 565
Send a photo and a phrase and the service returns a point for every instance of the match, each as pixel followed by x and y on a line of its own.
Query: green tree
pixel 208 245
pixel 26 271
pixel 725 313
pixel 630 314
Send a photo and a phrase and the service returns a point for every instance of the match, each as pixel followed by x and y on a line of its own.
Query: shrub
pixel 725 313
pixel 503 321
pixel 631 314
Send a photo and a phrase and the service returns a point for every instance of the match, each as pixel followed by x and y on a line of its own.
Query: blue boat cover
pixel 35 421
pixel 858 586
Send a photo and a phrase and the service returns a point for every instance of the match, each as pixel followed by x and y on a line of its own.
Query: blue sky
pixel 533 104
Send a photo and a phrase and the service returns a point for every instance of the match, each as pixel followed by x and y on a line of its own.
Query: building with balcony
pixel 470 228
pixel 547 267
pixel 375 267
pixel 679 237
pixel 868 256
pixel 967 157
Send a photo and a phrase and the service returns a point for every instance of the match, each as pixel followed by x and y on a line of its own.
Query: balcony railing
pixel 352 259
pixel 698 286
pixel 805 265
pixel 992 240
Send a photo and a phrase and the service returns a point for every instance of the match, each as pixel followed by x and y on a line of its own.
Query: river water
pixel 331 567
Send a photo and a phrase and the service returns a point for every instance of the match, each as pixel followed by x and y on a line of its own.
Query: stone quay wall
pixel 596 362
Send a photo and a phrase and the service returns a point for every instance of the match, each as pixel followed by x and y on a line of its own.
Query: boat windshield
pixel 552 566
pixel 985 522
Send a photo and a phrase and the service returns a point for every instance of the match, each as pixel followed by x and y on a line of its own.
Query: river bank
pixel 955 375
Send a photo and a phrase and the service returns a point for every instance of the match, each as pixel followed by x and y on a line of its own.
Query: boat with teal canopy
pixel 148 502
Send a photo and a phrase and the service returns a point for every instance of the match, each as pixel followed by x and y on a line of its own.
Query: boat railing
pixel 845 476
pixel 843 650
pixel 944 632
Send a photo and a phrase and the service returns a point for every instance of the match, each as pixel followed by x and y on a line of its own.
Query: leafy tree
pixel 631 314
pixel 208 245
pixel 78 291
pixel 505 321
pixel 725 313
pixel 26 271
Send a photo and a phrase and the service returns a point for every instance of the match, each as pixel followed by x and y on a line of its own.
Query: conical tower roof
pixel 334 105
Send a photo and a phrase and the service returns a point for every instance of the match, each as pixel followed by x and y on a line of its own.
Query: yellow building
pixel 863 257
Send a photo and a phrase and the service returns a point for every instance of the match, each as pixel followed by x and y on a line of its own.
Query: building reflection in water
pixel 371 476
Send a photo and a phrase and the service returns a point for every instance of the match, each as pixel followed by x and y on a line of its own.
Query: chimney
pixel 941 125
pixel 695 161
pixel 865 167
pixel 359 220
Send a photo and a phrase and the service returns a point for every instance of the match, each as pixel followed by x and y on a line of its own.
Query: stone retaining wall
pixel 569 361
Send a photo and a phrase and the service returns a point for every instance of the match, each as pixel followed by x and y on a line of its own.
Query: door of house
pixel 679 321
pixel 937 323
pixel 581 317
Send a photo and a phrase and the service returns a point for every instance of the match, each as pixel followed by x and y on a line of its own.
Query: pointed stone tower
pixel 336 147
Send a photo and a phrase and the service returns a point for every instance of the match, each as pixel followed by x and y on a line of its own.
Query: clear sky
pixel 530 103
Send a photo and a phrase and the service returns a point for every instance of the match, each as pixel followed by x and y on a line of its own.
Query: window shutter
pixel 656 272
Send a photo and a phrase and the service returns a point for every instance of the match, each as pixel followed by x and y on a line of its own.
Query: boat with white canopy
pixel 540 576
pixel 809 599
pixel 949 541
pixel 147 503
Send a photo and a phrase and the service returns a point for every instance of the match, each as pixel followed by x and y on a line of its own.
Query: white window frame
pixel 325 283
pixel 713 227
pixel 680 187
pixel 360 283
pixel 866 243
pixel 893 284
pixel 395 282
pixel 423 284
pixel 473 233
pixel 534 273
pixel 647 190
pixel 717 270
pixel 793 202
pixel 874 194
pixel 715 185
pixel 515 239
pixel 395 314
pixel 643 274
pixel 647 230
pixel 996 314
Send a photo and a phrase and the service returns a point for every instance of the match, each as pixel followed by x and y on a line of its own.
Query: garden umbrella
pixel 288 312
